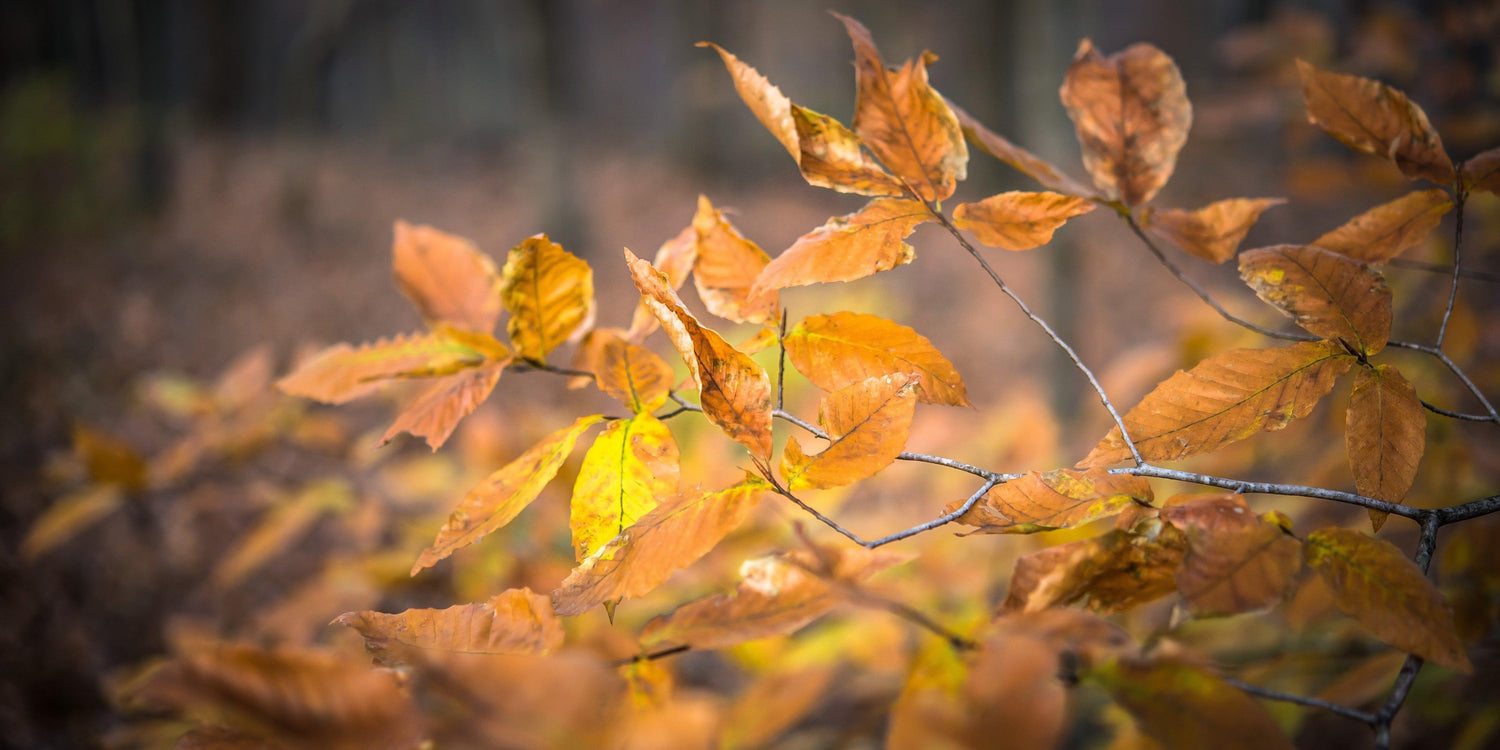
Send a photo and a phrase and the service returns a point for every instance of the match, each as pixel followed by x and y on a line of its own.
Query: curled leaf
pixel 1055 500
pixel 1389 229
pixel 1019 220
pixel 1213 232
pixel 1326 293
pixel 1371 117
pixel 767 102
pixel 725 268
pixel 549 293
pixel 1482 172
pixel 674 258
pixel 849 247
pixel 516 621
pixel 839 350
pixel 867 425
pixel 447 278
pixel 631 467
pixel 834 157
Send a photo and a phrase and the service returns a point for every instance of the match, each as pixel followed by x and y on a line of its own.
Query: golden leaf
pixel 1117 571
pixel 1055 500
pixel 633 374
pixel 1236 561
pixel 770 106
pixel 867 425
pixel 774 703
pixel 675 258
pixel 435 412
pixel 849 247
pixel 1018 158
pixel 1019 220
pixel 287 521
pixel 516 621
pixel 549 293
pixel 108 459
pixel 1371 117
pixel 1386 433
pixel 1389 229
pixel 1482 172
pixel 834 157
pixel 1180 704
pixel 342 373
pixel 69 516
pixel 1326 293
pixel 839 350
pixel 726 267
pixel 631 467
pixel 1213 232
pixel 447 278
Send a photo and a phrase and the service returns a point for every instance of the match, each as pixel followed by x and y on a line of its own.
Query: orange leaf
pixel 1375 584
pixel 549 293
pixel 1236 561
pixel 504 494
pixel 839 350
pixel 1180 704
pixel 770 106
pixel 1389 229
pixel 1386 433
pixel 1374 118
pixel 849 247
pixel 1055 500
pixel 834 157
pixel 1213 232
pixel 867 425
pixel 734 391
pixel 1482 172
pixel 774 703
pixel 633 374
pixel 1116 571
pixel 631 467
pixel 1326 293
pixel 440 407
pixel 1132 115
pixel 1018 220
pixel 68 516
pixel 726 267
pixel 1018 158
pixel 1224 399
pixel 342 373
pixel 903 121
pixel 669 538
pixel 286 522
pixel 516 621
pixel 674 258
pixel 447 278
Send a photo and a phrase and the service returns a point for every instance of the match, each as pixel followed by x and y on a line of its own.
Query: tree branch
pixel 1276 695
pixel 1458 240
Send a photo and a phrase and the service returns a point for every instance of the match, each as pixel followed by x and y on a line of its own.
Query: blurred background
pixel 183 181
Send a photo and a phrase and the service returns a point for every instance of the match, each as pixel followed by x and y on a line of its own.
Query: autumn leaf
pixel 631 467
pixel 1055 500
pixel 447 278
pixel 867 425
pixel 516 621
pixel 849 247
pixel 342 373
pixel 1132 115
pixel 633 374
pixel 549 293
pixel 903 121
pixel 1213 232
pixel 1371 117
pixel 774 703
pixel 1482 172
pixel 767 102
pixel 1389 229
pixel 69 516
pixel 435 412
pixel 675 258
pixel 1180 704
pixel 1236 561
pixel 725 268
pixel 1326 293
pixel 1019 220
pixel 839 350
pixel 504 494
pixel 670 537
pixel 1018 158
pixel 1116 571
pixel 834 157
pixel 108 459
pixel 734 391
pixel 1378 586
pixel 291 517
pixel 1386 434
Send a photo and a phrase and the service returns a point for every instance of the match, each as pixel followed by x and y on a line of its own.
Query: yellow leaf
pixel 903 121
pixel 342 373
pixel 834 157
pixel 1378 586
pixel 1018 158
pixel 1389 229
pixel 446 278
pixel 1182 705
pixel 1236 561
pixel 633 374
pixel 734 391
pixel 109 460
pixel 1213 232
pixel 1224 399
pixel 1116 571
pixel 849 247
pixel 69 516
pixel 839 350
pixel 772 704
pixel 726 267
pixel 504 494
pixel 1326 293
pixel 1371 117
pixel 631 467
pixel 669 538
pixel 867 425
pixel 549 293
pixel 1482 172
pixel 1019 220
pixel 1055 500
pixel 675 258
pixel 1386 433
pixel 516 621
pixel 1132 115
pixel 435 412
pixel 648 683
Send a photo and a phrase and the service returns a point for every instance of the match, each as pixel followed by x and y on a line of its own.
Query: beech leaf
pixel 1116 571
pixel 767 102
pixel 438 409
pixel 1326 293
pixel 1019 220
pixel 834 157
pixel 549 293
pixel 1386 433
pixel 725 268
pixel 1236 561
pixel 1179 704
pixel 675 258
pixel 69 516
pixel 1389 229
pixel 1055 500
pixel 1371 117
pixel 1213 232
pixel 342 373
pixel 1482 172
pixel 849 247
pixel 631 467
pixel 447 278
pixel 867 425
pixel 633 374
pixel 1018 158
pixel 516 621
pixel 839 350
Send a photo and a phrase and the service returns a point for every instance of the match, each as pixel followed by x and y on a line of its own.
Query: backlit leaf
pixel 849 247
pixel 1371 117
pixel 1020 159
pixel 834 157
pixel 1213 232
pixel 504 494
pixel 1386 592
pixel 726 267
pixel 68 516
pixel 443 404
pixel 1388 230
pixel 1386 433
pixel 1326 293
pixel 674 258
pixel 633 374
pixel 516 621
pixel 447 278
pixel 1132 115
pixel 631 467
pixel 839 350
pixel 1482 172
pixel 549 293
pixel 1055 500
pixel 867 425
pixel 342 373
pixel 1117 571
pixel 1018 220
pixel 1225 398
pixel 1236 561
pixel 1182 705
pixel 767 102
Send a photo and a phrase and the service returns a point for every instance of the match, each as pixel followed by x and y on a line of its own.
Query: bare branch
pixel 1276 695
pixel 1269 488
pixel 1417 265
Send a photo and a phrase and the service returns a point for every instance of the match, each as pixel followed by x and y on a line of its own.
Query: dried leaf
pixel 549 293
pixel 633 374
pixel 1116 571
pixel 504 494
pixel 770 106
pixel 1482 172
pixel 675 258
pixel 282 525
pixel 834 157
pixel 516 621
pixel 1213 232
pixel 669 538
pixel 726 267
pixel 772 704
pixel 342 373
pixel 1055 500
pixel 109 460
pixel 903 121
pixel 1183 705
pixel 69 516
pixel 1389 229
pixel 867 425
pixel 437 410
pixel 1326 293
pixel 1224 399
pixel 1236 561
pixel 631 467
pixel 1132 115
pixel 1020 159
pixel 839 350
pixel 1371 117
pixel 447 278
pixel 849 247
pixel 1018 220
pixel 1378 586
pixel 1386 433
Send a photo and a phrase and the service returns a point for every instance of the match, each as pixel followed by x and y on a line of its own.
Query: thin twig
pixel 526 366
pixel 942 520
pixel 1269 488
pixel 1471 509
pixel 653 656
pixel 1457 371
pixel 1417 265
pixel 1458 241
pixel 1454 414
pixel 1276 695
pixel 781 363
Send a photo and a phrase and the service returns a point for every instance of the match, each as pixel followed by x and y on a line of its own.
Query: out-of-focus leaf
pixel 69 516
pixel 1326 293
pixel 1020 159
pixel 1117 571
pixel 435 412
pixel 108 459
pixel 648 684
pixel 1482 172
pixel 1055 500
pixel 1236 561
pixel 549 293
pixel 772 704
pixel 1386 434
pixel 1371 117
pixel 867 425
pixel 675 258
pixel 342 373
pixel 1182 705
pixel 631 467
pixel 1213 232
pixel 767 102
pixel 849 247
pixel 1132 115
pixel 725 268
pixel 516 621
pixel 1389 229
pixel 446 278
pixel 839 350
pixel 245 379
pixel 1019 220
pixel 283 524
pixel 1224 399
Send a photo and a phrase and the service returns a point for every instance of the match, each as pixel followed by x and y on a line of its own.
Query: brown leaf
pixel 849 247
pixel 108 459
pixel 726 267
pixel 516 621
pixel 1482 172
pixel 834 157
pixel 549 293
pixel 903 121
pixel 1020 159
pixel 1132 115
pixel 633 374
pixel 1116 571
pixel 1183 705
pixel 1371 117
pixel 342 373
pixel 1236 561
pixel 774 703
pixel 631 467
pixel 437 410
pixel 675 258
pixel 504 494
pixel 1213 232
pixel 735 392
pixel 1378 586
pixel 447 278
pixel 867 425
pixel 1386 433
pixel 1326 293
pixel 1225 398
pixel 770 106
pixel 669 538
pixel 1055 500
pixel 68 516
pixel 1018 220
pixel 839 350
pixel 1389 229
